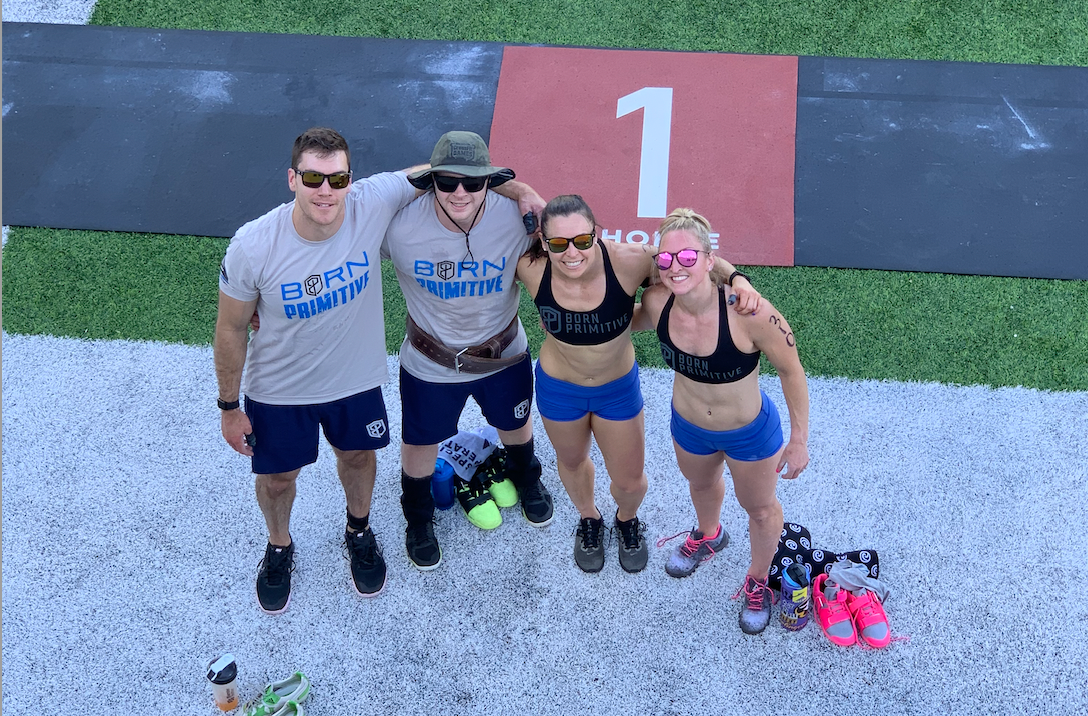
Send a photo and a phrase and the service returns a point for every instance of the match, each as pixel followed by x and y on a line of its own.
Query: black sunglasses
pixel 448 185
pixel 581 242
pixel 685 257
pixel 312 179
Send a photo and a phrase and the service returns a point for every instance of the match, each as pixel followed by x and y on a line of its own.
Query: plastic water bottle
pixel 442 484
pixel 223 673
pixel 795 602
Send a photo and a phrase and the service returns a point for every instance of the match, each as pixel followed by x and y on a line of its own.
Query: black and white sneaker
pixel 633 550
pixel 422 545
pixel 367 563
pixel 589 544
pixel 274 578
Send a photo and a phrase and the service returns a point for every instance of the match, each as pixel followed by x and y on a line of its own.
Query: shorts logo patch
pixel 313 285
pixel 376 429
pixel 521 409
pixel 445 270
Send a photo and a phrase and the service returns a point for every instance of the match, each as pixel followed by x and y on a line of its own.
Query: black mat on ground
pixel 902 165
pixel 941 166
pixel 184 132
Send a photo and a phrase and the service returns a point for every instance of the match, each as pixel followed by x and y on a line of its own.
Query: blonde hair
pixel 697 225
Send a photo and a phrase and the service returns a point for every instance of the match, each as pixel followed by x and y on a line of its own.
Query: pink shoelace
pixel 691 546
pixel 755 593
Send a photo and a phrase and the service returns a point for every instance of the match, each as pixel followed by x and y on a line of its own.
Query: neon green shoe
pixel 479 507
pixel 492 473
pixel 280 698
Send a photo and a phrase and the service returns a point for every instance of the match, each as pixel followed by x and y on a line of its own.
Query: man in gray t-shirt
pixel 455 250
pixel 311 269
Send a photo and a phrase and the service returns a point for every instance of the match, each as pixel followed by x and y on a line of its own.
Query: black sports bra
pixel 725 365
pixel 586 328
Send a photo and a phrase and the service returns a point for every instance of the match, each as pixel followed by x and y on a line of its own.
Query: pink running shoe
pixel 869 620
pixel 832 612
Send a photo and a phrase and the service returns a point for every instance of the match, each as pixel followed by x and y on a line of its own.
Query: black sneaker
pixel 367 563
pixel 633 550
pixel 422 545
pixel 588 545
pixel 536 503
pixel 274 578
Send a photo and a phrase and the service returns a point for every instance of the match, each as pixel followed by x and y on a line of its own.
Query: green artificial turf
pixel 90 284
pixel 1035 31
pixel 849 323
pixel 856 324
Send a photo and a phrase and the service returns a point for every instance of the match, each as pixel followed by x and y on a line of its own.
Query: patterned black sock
pixel 794 544
pixel 820 560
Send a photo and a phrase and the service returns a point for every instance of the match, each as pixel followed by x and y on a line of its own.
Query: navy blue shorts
pixel 558 400
pixel 758 440
pixel 287 435
pixel 430 411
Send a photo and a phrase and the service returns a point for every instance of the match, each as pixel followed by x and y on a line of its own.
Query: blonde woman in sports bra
pixel 587 384
pixel 720 416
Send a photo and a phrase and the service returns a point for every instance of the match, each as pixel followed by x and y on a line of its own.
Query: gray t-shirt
pixel 322 335
pixel 460 301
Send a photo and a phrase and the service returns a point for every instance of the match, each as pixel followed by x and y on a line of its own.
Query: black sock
pixel 358 524
pixel 521 464
pixel 416 499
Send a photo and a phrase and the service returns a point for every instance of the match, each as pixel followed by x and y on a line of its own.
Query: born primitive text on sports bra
pixel 726 364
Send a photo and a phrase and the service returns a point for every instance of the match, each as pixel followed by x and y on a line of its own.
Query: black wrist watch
pixel 224 405
pixel 734 275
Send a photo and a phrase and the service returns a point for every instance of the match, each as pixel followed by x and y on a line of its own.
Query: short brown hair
pixel 322 141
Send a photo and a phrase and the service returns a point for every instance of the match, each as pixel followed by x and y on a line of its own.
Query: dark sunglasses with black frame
pixel 312 179
pixel 448 185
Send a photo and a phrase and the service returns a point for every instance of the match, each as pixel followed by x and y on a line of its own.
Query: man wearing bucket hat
pixel 455 250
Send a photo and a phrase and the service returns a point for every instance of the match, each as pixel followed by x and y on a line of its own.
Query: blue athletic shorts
pixel 562 402
pixel 757 440
pixel 287 436
pixel 430 411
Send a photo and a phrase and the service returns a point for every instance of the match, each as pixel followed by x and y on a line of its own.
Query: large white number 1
pixel 653 170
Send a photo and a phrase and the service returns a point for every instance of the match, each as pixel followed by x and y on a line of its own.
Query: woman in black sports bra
pixel 587 382
pixel 720 415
